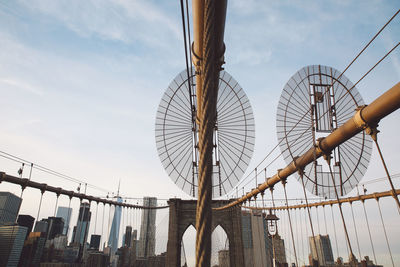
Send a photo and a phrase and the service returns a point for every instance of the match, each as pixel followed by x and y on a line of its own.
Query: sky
pixel 80 83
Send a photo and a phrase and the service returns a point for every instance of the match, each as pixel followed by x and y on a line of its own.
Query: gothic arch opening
pixel 188 247
pixel 219 247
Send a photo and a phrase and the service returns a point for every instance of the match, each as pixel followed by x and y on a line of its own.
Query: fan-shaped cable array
pixel 176 136
pixel 314 102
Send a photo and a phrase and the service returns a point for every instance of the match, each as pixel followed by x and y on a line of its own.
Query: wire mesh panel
pixel 314 102
pixel 177 134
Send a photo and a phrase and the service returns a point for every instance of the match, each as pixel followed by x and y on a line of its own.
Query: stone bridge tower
pixel 182 214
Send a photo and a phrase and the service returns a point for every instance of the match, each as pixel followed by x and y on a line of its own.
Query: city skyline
pixel 81 82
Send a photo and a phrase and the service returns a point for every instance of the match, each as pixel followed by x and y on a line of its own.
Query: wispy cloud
pixel 21 85
pixel 394 57
pixel 118 20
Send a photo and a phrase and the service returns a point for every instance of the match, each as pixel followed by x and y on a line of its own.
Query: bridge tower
pixel 182 214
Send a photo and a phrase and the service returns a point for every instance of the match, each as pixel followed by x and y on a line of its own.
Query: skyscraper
pixel 147 240
pixel 259 236
pixel 128 236
pixel 258 244
pixel 12 240
pixel 65 213
pixel 33 249
pixel 9 208
pixel 95 242
pixel 114 232
pixel 321 250
pixel 278 244
pixel 82 226
pixel 41 226
pixel 27 221
pixel 55 227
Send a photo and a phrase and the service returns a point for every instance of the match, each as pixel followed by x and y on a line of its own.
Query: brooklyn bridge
pixel 322 191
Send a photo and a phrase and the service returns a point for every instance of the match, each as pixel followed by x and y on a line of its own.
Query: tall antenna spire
pixel 119 184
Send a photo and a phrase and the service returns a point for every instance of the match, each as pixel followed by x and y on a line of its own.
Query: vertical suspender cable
pixel 309 212
pixel 302 236
pixel 95 222
pixel 369 232
pixel 384 231
pixel 273 236
pixel 69 214
pixel 396 198
pixel 316 212
pixel 55 208
pixel 334 231
pixel 306 229
pixel 355 230
pixel 40 204
pixel 351 256
pixel 290 222
pixel 108 223
pixel 102 225
pixel 296 228
pixel 326 227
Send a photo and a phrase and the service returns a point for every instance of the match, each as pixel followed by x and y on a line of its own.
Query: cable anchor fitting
pixel 197 60
pixel 370 129
pixel 320 150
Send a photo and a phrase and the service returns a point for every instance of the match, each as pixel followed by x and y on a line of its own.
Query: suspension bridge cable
pixel 336 101
pixel 340 207
pixel 297 230
pixel 355 230
pixel 187 60
pixel 290 223
pixel 40 204
pixel 348 66
pixel 69 214
pixel 79 226
pixel 316 213
pixel 55 208
pixel 384 231
pixel 273 236
pixel 373 67
pixel 22 191
pixel 108 223
pixel 210 70
pixel 95 222
pixel 278 156
pixel 271 257
pixel 375 138
pixel 273 149
pixel 341 200
pixel 47 170
pixel 366 46
pixel 301 236
pixel 326 227
pixel 102 224
pixel 369 232
pixel 334 231
pixel 308 211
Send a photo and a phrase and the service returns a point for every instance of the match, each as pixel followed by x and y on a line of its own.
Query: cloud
pixel 394 58
pixel 21 85
pixel 116 20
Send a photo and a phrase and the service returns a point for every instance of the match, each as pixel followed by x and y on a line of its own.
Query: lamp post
pixel 272 226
